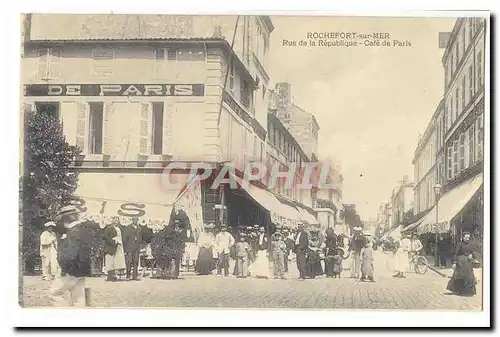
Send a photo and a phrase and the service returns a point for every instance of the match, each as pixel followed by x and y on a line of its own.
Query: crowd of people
pixel 68 252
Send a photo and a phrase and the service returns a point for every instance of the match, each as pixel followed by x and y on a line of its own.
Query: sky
pixel 371 102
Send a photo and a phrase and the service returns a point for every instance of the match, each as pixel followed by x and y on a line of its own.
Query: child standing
pixel 367 262
pixel 242 255
pixel 278 247
pixel 337 262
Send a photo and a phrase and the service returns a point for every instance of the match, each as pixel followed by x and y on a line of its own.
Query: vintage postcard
pixel 254 161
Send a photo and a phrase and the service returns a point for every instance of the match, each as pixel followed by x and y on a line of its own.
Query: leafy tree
pixel 351 216
pixel 47 182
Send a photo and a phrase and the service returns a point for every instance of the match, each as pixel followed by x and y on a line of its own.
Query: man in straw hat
pixel 48 252
pixel 74 257
pixel 301 244
pixel 223 243
pixel 355 245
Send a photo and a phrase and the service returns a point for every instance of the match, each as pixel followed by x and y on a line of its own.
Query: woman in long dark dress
pixel 313 259
pixel 205 263
pixel 463 282
pixel 331 250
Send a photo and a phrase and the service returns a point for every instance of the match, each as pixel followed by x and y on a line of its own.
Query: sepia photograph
pixel 254 162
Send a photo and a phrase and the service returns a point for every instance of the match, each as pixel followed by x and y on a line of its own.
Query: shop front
pixel 144 195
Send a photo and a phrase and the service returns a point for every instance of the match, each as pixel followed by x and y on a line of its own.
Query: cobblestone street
pixel 414 292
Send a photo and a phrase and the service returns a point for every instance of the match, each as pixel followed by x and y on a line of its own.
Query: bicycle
pixel 419 263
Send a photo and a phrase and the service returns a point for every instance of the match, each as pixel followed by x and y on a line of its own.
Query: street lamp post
pixel 437 191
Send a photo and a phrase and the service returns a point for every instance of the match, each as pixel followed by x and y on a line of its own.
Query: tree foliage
pixel 47 182
pixel 351 216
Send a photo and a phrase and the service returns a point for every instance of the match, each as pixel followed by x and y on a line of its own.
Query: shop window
pixel 50 108
pixel 246 94
pixel 49 63
pixel 231 76
pixel 479 69
pixel 157 134
pixel 479 138
pixel 462 152
pixel 449 162
pixel 471 82
pixel 96 127
pixel 103 62
pixel 471 30
pixel 471 145
pixel 455 158
pixel 165 64
pixel 463 93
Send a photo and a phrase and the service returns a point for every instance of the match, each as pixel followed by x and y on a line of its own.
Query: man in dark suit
pixel 132 238
pixel 179 222
pixel 74 258
pixel 301 246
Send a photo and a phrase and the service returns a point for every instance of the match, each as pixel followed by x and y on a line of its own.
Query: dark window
pixel 96 123
pixel 246 94
pixel 157 127
pixel 50 108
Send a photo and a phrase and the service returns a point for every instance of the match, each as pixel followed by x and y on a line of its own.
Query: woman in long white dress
pixel 115 255
pixel 402 257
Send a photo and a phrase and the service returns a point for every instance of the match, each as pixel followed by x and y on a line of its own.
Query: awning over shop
pixel 281 213
pixel 412 226
pixel 449 205
pixel 307 217
pixel 101 195
pixel 395 233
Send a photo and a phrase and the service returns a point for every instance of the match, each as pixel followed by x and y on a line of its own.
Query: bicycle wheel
pixel 421 265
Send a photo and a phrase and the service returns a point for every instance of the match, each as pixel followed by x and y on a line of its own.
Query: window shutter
pixel 55 63
pixel 109 110
pixel 168 140
pixel 43 63
pixel 81 127
pixel 145 130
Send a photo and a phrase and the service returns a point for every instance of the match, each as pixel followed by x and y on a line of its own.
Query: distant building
pixel 302 124
pixel 401 201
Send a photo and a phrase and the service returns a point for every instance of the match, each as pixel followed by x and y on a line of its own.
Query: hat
pixel 256 226
pixel 249 228
pixel 243 234
pixel 49 224
pixel 357 229
pixel 66 210
pixel 209 226
pixel 223 226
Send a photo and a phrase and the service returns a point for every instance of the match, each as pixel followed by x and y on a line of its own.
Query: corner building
pixel 136 92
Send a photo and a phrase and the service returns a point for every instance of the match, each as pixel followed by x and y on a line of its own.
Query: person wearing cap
pixel 242 254
pixel 288 239
pixel 356 243
pixel 301 249
pixel 48 252
pixel 223 243
pixel 206 241
pixel 132 238
pixel 74 257
pixel 115 254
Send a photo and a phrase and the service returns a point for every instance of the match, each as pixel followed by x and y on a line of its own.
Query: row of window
pixel 167 62
pixel 464 92
pixel 424 195
pixel 466 150
pixel 96 125
pixel 280 141
pixel 425 161
pixel 464 38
